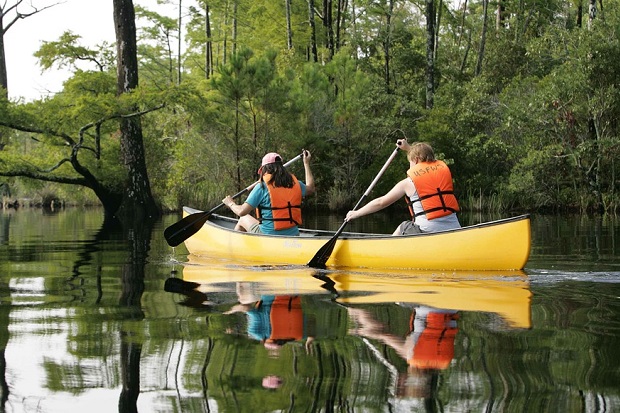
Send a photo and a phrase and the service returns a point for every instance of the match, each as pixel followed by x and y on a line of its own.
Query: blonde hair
pixel 422 152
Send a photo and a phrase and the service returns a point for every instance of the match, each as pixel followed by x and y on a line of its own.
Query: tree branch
pixel 47 178
pixel 68 139
pixel 19 16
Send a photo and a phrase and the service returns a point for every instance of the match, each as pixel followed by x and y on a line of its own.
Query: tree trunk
pixel 340 16
pixel 289 30
pixel 313 47
pixel 593 175
pixel 179 66
pixel 4 80
pixel 234 26
pixel 591 13
pixel 499 16
pixel 138 202
pixel 430 52
pixel 386 46
pixel 328 24
pixel 209 45
pixel 437 28
pixel 483 37
pixel 224 35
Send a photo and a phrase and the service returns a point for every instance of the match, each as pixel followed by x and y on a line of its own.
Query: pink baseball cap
pixel 271 157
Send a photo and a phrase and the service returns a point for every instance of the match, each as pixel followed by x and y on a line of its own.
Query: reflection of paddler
pixel 274 320
pixel 287 320
pixel 430 343
pixel 428 347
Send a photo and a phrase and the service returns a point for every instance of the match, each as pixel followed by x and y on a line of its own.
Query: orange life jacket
pixel 435 347
pixel 286 317
pixel 433 182
pixel 285 204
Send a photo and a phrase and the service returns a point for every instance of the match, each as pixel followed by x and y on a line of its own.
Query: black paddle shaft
pixel 323 254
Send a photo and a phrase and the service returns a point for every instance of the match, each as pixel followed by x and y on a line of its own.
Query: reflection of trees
pixel 4 318
pixel 90 254
pixel 132 280
pixel 4 338
pixel 105 319
pixel 5 221
pixel 120 331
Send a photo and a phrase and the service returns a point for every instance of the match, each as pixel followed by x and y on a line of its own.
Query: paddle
pixel 323 254
pixel 188 226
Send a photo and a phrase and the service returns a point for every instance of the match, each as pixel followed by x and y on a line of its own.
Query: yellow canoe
pixel 497 245
pixel 505 293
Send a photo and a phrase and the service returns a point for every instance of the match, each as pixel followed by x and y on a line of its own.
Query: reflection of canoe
pixel 497 245
pixel 504 293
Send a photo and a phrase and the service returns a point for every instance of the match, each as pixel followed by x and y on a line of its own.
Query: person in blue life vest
pixel 428 190
pixel 274 320
pixel 276 199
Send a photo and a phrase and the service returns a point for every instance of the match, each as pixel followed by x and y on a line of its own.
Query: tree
pixel 138 202
pixel 430 52
pixel 89 104
pixel 483 37
pixel 313 47
pixel 12 10
pixel 157 47
pixel 289 30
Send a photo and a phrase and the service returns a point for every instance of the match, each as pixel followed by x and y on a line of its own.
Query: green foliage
pixel 66 52
pixel 536 129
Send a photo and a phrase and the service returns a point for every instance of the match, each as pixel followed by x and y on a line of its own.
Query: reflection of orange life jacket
pixel 433 182
pixel 287 322
pixel 285 204
pixel 435 346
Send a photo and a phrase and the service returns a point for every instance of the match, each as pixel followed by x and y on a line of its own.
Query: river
pixel 89 324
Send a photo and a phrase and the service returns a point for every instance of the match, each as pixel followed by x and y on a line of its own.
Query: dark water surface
pixel 86 326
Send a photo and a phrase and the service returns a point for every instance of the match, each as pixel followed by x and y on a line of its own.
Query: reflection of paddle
pixel 189 289
pixel 328 283
pixel 176 285
pixel 188 226
pixel 323 254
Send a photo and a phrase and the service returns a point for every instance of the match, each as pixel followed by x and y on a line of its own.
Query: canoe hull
pixel 498 245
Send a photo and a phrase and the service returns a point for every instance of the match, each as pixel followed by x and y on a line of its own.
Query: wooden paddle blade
pixel 323 254
pixel 185 228
pixel 321 257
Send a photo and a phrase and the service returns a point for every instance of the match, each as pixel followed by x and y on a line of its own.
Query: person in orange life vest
pixel 428 190
pixel 277 199
pixel 428 347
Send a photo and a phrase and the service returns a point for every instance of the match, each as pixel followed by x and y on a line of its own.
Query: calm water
pixel 89 323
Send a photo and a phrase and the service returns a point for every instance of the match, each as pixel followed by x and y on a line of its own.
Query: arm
pixel 239 210
pixel 377 204
pixel 309 178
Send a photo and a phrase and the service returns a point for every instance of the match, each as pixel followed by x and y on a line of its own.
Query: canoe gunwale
pixel 324 234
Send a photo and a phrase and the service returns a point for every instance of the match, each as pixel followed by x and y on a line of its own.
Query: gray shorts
pixel 409 228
